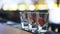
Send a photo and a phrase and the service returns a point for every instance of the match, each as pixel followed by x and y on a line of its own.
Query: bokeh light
pixel 10 7
pixel 22 7
pixel 31 7
pixel 43 7
pixel 59 5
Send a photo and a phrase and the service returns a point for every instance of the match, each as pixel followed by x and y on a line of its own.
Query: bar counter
pixel 5 29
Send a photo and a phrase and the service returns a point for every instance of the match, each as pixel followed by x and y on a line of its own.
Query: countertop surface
pixel 4 29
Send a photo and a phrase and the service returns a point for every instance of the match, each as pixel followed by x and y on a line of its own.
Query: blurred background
pixel 27 4
pixel 31 15
pixel 13 16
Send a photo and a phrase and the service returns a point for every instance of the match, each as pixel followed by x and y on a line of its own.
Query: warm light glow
pixel 36 6
pixel 10 7
pixel 27 7
pixel 5 7
pixel 22 7
pixel 59 5
pixel 13 7
pixel 43 7
pixel 31 7
pixel 55 5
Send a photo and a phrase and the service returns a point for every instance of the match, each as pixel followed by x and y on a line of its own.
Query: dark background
pixel 10 15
